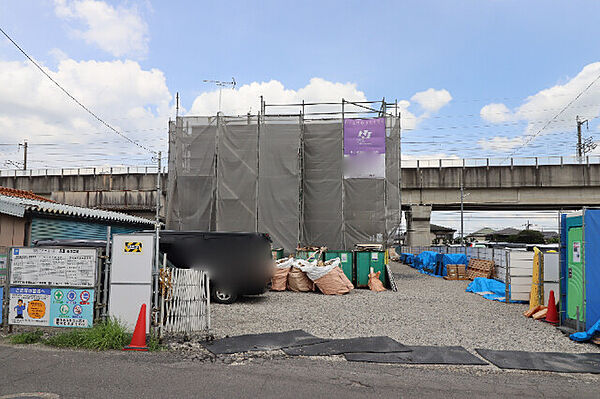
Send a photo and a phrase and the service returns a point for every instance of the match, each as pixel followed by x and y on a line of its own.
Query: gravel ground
pixel 425 311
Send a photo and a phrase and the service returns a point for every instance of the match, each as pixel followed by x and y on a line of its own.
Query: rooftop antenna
pixel 221 84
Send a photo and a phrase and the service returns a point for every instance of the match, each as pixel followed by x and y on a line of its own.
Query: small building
pixel 26 217
pixel 441 234
pixel 502 235
pixel 481 234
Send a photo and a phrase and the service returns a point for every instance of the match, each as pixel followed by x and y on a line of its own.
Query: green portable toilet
pixel 364 260
pixel 346 262
pixel 580 269
pixel 277 253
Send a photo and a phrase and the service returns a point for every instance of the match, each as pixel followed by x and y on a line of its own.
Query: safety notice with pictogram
pixel 29 306
pixel 72 308
pixel 56 307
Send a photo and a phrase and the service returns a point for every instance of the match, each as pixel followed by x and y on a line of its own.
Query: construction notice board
pixel 73 267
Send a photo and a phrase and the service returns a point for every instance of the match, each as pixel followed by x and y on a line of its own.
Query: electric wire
pixel 89 111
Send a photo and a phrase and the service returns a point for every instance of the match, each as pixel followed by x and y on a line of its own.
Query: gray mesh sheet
pixel 364 213
pixel 331 216
pixel 279 183
pixel 236 175
pixel 192 174
pixel 322 189
pixel 392 174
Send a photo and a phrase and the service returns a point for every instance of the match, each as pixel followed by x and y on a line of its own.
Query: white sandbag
pixel 315 272
pixel 284 263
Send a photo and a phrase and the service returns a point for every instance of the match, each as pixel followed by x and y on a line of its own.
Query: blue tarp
pixel 443 260
pixel 488 288
pixel 586 335
pixel 407 258
pixel 425 261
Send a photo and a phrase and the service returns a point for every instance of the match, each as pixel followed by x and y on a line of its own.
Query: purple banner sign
pixel 364 148
pixel 364 135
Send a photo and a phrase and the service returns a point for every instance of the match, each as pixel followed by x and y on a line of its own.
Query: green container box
pixel 346 262
pixel 306 254
pixel 277 253
pixel 364 260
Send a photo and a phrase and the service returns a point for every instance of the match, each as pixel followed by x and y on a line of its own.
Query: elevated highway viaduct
pixel 424 189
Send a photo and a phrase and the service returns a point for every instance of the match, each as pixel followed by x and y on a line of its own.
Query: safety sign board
pixel 29 306
pixel 72 308
pixel 133 246
pixel 74 267
pixel 576 251
pixel 56 307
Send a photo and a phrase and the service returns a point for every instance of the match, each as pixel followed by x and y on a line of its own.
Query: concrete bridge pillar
pixel 418 229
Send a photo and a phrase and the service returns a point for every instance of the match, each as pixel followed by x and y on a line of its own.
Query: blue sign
pixel 72 308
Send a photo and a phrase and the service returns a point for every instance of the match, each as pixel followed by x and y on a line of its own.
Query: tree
pixel 528 237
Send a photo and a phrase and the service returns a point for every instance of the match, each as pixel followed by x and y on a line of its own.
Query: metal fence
pixel 498 255
pixel 406 164
pixel 87 171
pixel 486 162
pixel 184 302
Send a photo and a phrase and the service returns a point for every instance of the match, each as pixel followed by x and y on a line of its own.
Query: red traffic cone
pixel 138 340
pixel 552 316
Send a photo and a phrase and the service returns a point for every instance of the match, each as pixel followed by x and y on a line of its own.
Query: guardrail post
pixel 561 161
pixel 440 161
pixel 536 162
pixel 487 163
pixel 512 163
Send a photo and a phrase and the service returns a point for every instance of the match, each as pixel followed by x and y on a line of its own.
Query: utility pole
pixel 579 141
pixel 462 224
pixel 24 145
pixel 177 105
pixel 157 238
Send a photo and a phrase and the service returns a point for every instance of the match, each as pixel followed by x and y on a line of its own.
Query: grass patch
pixel 110 334
pixel 105 335
pixel 32 337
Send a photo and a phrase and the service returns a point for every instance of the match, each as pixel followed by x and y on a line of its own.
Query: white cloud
pixel 60 133
pixel 432 100
pixel 119 31
pixel 496 113
pixel 246 98
pixel 501 144
pixel 543 106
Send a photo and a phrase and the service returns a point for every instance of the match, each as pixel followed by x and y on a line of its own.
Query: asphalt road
pixel 80 374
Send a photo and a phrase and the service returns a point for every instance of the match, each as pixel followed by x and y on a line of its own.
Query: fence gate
pixel 185 301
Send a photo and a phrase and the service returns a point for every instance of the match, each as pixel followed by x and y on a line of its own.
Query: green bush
pixel 27 337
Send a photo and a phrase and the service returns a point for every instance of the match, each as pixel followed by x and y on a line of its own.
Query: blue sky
pixel 489 73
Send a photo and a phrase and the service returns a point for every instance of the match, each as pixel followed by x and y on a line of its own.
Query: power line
pixel 73 98
pixel 555 116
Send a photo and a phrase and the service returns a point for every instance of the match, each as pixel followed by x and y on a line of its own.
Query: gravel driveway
pixel 425 311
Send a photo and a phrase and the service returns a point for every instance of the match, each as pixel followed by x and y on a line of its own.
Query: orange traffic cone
pixel 552 316
pixel 138 340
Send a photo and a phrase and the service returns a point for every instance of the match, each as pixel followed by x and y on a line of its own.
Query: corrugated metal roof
pixel 14 203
